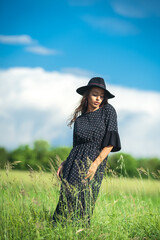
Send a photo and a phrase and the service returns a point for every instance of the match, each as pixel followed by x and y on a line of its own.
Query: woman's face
pixel 95 97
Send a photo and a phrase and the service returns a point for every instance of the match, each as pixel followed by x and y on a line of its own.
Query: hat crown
pixel 98 81
pixel 95 82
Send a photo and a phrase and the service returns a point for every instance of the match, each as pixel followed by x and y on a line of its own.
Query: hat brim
pixel 83 89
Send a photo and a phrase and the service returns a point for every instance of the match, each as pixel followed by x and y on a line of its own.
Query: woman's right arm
pixel 60 169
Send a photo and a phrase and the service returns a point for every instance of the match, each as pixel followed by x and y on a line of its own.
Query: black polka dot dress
pixel 92 132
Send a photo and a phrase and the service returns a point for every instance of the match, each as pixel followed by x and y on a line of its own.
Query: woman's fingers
pixel 58 171
pixel 91 177
pixel 87 176
pixel 90 174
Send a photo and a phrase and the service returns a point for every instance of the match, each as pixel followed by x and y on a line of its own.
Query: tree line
pixel 43 156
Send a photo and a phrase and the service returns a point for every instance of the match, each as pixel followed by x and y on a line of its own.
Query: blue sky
pixel 116 39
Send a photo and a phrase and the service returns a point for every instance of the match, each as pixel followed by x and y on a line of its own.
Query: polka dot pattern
pixel 92 131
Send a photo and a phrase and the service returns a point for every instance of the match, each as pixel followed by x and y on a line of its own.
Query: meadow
pixel 127 208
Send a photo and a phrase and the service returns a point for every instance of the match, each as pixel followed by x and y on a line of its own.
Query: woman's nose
pixel 98 97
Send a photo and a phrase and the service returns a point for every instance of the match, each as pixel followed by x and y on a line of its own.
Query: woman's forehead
pixel 97 90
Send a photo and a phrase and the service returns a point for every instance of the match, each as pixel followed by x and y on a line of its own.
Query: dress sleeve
pixel 111 136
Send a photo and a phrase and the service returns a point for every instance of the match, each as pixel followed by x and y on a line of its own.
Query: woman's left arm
pixel 93 168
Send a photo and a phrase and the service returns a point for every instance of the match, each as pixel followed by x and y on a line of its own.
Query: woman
pixel 95 135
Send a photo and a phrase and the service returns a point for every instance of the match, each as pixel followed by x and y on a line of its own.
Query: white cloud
pixel 27 40
pixel 136 8
pixel 139 119
pixel 19 39
pixel 111 25
pixel 78 72
pixel 41 50
pixel 36 104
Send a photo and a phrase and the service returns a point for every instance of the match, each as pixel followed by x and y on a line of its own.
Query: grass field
pixel 125 209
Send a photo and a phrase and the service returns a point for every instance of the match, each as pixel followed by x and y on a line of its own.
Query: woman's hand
pixel 60 169
pixel 92 170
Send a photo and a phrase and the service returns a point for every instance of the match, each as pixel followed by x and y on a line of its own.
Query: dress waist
pixel 94 143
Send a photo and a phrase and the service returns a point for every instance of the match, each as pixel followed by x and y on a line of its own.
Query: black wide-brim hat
pixel 95 82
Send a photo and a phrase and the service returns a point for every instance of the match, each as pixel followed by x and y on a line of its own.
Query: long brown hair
pixel 83 106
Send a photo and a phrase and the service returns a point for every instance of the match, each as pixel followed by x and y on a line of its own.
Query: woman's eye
pixel 95 95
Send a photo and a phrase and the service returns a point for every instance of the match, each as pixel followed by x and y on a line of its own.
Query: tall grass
pixel 125 208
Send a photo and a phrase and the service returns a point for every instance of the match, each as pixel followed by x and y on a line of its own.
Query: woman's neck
pixel 90 109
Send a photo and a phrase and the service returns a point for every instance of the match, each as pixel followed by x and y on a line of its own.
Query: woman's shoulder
pixel 78 117
pixel 109 109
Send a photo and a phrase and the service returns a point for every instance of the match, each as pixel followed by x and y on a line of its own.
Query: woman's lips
pixel 96 103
